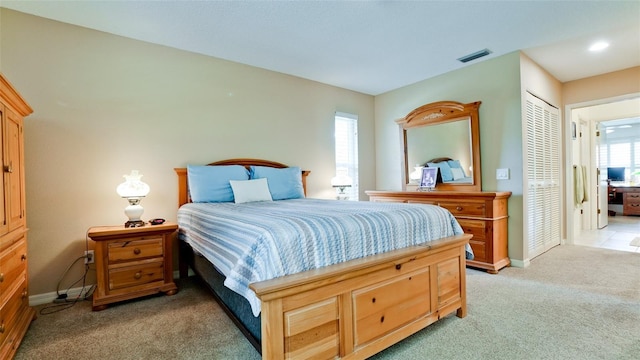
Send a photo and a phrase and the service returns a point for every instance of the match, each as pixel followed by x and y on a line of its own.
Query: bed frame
pixel 354 309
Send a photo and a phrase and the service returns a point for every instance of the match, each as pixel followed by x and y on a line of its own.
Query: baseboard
pixel 520 263
pixel 35 300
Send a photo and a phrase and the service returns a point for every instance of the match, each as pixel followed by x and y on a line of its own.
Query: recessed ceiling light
pixel 599 46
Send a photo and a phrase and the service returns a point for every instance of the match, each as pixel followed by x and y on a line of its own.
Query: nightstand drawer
pixel 134 249
pixel 464 209
pixel 131 276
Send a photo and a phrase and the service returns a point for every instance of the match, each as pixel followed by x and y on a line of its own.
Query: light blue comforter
pixel 257 241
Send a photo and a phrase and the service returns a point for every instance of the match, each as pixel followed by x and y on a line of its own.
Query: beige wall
pixel 605 86
pixel 496 83
pixel 104 105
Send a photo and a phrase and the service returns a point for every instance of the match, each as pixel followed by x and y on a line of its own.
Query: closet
pixel 15 312
pixel 542 181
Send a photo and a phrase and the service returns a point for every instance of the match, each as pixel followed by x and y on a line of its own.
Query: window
pixel 346 136
pixel 620 146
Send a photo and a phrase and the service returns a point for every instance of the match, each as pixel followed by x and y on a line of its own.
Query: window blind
pixel 346 143
pixel 619 146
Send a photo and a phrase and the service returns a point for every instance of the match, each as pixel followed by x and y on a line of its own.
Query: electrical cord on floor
pixel 67 303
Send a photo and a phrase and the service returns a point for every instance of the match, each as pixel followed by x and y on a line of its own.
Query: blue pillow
pixel 284 183
pixel 456 164
pixel 445 170
pixel 211 183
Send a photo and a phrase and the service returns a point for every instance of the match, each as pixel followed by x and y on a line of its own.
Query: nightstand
pixel 132 262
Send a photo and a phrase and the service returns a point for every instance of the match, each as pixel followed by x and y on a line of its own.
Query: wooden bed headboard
pixel 437 160
pixel 183 187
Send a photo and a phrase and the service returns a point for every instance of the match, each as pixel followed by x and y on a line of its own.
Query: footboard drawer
pixel 386 306
pixel 313 331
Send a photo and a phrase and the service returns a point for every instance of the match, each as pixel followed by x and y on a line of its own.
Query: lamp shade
pixel 341 181
pixel 133 187
pixel 416 174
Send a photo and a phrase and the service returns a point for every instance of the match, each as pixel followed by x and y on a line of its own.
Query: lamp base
pixel 134 223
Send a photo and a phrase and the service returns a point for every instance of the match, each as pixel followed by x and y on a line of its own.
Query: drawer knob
pixel 1 277
pixel 2 328
pixel 382 319
pixel 24 294
pixel 398 266
pixel 136 251
pixel 138 275
pixel 459 208
pixel 23 257
pixel 373 300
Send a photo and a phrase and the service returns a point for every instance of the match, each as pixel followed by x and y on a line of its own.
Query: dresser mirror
pixel 446 135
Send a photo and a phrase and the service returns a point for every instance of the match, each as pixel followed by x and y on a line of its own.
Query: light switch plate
pixel 502 174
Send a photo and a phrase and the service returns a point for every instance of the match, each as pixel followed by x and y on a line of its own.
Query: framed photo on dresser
pixel 428 179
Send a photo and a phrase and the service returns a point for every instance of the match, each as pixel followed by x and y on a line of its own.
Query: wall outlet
pixel 88 257
pixel 502 174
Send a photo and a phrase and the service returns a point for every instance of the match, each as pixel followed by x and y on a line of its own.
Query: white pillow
pixel 457 173
pixel 250 190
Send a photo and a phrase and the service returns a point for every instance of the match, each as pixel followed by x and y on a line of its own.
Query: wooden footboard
pixel 358 308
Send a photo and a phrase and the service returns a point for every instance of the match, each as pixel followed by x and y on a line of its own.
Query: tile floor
pixel 617 235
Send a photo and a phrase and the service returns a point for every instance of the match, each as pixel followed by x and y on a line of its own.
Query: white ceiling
pixel 370 46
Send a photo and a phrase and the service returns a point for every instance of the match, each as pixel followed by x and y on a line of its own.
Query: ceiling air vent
pixel 475 55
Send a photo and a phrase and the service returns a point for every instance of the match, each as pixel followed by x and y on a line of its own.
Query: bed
pixel 350 309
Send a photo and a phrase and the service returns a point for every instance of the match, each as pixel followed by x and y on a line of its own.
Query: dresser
pixel 627 195
pixel 15 312
pixel 480 213
pixel 132 262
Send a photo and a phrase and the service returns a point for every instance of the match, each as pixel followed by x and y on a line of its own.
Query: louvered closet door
pixel 542 179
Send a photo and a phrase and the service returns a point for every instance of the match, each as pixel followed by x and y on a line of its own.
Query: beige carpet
pixel 572 303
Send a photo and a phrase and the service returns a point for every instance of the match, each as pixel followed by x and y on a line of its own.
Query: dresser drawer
pixel 632 197
pixel 464 208
pixel 477 228
pixel 10 310
pixel 134 249
pixel 478 242
pixel 13 264
pixel 141 274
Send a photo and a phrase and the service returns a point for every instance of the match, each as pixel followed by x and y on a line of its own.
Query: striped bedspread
pixel 257 241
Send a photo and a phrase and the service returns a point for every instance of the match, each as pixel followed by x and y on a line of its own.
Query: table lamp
pixel 133 189
pixel 341 182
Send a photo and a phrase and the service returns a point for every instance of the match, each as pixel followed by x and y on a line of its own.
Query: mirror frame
pixel 439 113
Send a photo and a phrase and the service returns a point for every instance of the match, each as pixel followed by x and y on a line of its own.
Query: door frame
pixel 570 234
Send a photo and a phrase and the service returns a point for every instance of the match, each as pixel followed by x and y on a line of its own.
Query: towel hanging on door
pixel 585 187
pixel 578 185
